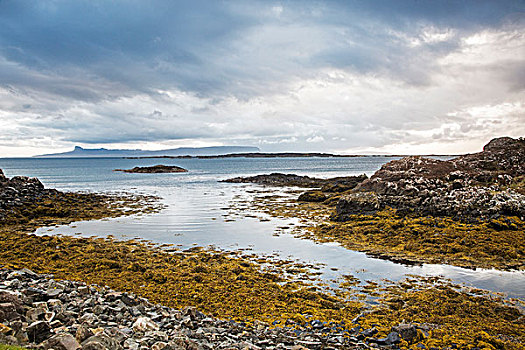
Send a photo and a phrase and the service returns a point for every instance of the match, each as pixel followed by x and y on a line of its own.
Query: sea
pixel 197 206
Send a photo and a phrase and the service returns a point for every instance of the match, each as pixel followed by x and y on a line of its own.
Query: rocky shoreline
pixel 468 211
pixel 212 299
pixel 472 187
pixel 40 312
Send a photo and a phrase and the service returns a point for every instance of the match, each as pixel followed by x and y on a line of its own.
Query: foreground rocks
pixel 156 169
pixel 471 187
pixel 42 313
pixel 25 200
pixel 19 190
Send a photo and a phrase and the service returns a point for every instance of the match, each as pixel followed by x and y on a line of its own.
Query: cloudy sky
pixel 337 76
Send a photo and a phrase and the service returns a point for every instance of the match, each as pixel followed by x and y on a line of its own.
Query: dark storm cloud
pixel 202 46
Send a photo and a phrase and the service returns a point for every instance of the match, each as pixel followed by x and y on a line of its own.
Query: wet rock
pixel 336 184
pixel 312 196
pixel 390 339
pixel 357 203
pixel 406 331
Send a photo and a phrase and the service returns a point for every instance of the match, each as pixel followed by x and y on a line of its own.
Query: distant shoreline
pixel 283 155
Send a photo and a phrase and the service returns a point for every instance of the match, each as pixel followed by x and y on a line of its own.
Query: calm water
pixel 196 204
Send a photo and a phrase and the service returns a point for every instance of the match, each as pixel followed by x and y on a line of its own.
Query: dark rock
pixel 10 311
pixel 357 203
pixel 406 331
pixel 391 338
pixel 156 169
pixel 367 333
pixel 312 196
pixel 38 331
pixel 335 184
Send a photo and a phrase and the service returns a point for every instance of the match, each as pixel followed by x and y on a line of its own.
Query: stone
pixel 159 346
pixel 390 339
pixel 38 331
pixel 8 312
pixel 83 332
pixel 83 290
pixel 407 332
pixel 358 203
pixel 100 342
pixel 144 324
pixel 62 341
pixel 312 196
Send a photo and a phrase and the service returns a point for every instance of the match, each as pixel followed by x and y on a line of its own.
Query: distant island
pixel 79 152
pixel 281 155
pixel 254 155
pixel 155 169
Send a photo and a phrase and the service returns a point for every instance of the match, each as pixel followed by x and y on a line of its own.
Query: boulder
pixel 62 341
pixel 357 203
pixel 144 324
pixel 38 331
pixel 83 333
pixel 100 342
pixel 312 196
pixel 407 332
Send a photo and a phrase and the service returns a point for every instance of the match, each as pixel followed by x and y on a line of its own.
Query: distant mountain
pixel 80 152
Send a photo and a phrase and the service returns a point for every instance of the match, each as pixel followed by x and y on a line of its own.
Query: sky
pixel 351 77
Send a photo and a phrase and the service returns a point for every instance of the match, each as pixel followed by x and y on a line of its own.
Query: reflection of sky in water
pixel 194 214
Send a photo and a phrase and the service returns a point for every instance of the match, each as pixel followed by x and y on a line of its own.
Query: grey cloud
pixel 262 71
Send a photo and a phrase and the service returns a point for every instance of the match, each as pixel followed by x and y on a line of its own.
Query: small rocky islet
pixel 266 311
pixel 155 169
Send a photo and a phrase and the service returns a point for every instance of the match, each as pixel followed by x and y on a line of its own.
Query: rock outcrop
pixel 18 191
pixel 156 169
pixel 470 187
pixel 335 184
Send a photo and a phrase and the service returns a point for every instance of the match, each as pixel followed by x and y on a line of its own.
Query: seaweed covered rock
pixel 358 203
pixel 470 187
pixel 312 196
